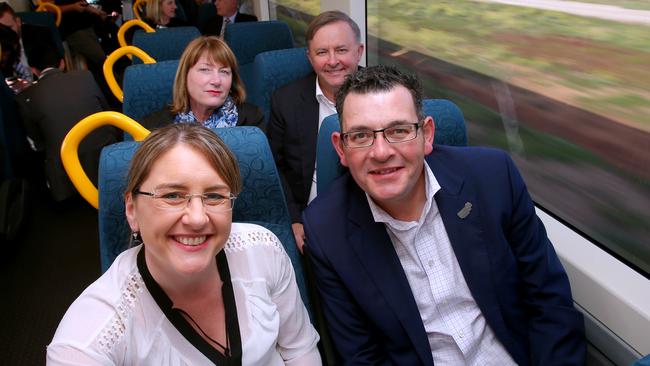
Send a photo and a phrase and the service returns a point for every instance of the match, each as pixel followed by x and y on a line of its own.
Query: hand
pixel 80 6
pixel 299 234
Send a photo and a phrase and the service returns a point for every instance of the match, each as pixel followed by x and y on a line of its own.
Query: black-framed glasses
pixel 178 201
pixel 393 134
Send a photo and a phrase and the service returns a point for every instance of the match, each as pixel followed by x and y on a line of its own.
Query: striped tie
pixel 225 23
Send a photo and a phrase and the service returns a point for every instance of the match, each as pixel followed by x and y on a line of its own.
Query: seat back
pixel 274 69
pixel 450 130
pixel 248 39
pixel 165 43
pixel 261 200
pixel 148 88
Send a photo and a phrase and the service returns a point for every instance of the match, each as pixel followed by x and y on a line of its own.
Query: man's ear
pixel 360 52
pixel 337 142
pixel 131 217
pixel 428 131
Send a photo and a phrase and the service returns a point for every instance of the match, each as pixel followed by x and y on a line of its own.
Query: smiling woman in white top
pixel 196 288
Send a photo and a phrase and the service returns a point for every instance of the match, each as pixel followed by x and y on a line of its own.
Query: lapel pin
pixel 464 212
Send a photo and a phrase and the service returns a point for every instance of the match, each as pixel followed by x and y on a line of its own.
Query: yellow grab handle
pixel 136 8
pixel 46 6
pixel 121 39
pixel 109 75
pixel 70 147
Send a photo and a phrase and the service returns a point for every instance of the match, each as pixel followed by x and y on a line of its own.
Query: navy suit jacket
pixel 505 256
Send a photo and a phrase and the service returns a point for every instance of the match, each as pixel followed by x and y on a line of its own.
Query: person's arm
pixel 79 6
pixel 556 329
pixel 350 329
pixel 275 131
pixel 297 339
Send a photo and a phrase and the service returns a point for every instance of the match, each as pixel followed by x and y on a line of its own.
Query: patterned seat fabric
pixel 274 69
pixel 165 43
pixel 450 130
pixel 261 200
pixel 251 38
pixel 148 88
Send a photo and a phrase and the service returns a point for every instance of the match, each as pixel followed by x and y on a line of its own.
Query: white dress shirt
pixel 116 321
pixel 457 331
pixel 325 108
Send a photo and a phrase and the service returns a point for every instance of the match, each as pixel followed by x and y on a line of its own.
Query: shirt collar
pixel 232 18
pixel 320 96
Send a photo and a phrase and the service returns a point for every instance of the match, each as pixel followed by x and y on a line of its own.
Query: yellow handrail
pixel 121 39
pixel 70 147
pixel 46 6
pixel 109 75
pixel 136 8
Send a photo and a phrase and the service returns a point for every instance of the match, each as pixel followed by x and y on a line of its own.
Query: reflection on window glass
pixel 567 94
pixel 296 13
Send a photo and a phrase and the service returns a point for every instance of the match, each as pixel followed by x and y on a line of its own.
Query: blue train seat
pixel 251 38
pixel 166 43
pixel 274 69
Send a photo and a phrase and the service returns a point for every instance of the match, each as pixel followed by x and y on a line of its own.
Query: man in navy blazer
pixel 444 262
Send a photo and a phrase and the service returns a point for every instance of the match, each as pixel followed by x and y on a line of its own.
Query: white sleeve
pixel 297 338
pixel 67 354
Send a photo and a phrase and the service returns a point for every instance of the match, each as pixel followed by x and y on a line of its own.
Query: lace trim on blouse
pixel 116 327
pixel 248 238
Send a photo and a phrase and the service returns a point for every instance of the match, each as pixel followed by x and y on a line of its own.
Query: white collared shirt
pixel 232 17
pixel 457 330
pixel 325 108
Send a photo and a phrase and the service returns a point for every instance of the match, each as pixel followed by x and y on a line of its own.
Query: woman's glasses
pixel 178 201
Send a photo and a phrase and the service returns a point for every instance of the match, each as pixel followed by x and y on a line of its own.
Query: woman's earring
pixel 136 239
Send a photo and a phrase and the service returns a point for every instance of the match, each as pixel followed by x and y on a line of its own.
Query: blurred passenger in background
pixel 208 90
pixel 77 29
pixel 10 48
pixel 52 106
pixel 334 50
pixel 227 13
pixel 8 17
pixel 162 14
pixel 10 62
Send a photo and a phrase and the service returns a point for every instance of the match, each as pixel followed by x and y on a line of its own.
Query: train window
pixel 566 90
pixel 296 13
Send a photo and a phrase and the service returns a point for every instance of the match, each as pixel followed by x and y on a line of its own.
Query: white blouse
pixel 116 321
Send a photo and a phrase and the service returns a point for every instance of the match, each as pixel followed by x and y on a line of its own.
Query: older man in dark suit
pixel 227 13
pixel 298 109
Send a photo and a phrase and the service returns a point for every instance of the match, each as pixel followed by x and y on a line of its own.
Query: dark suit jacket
pixel 292 133
pixel 50 108
pixel 213 25
pixel 248 115
pixel 505 256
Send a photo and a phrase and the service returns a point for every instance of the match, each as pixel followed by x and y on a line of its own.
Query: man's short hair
pixel 330 17
pixel 43 54
pixel 380 78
